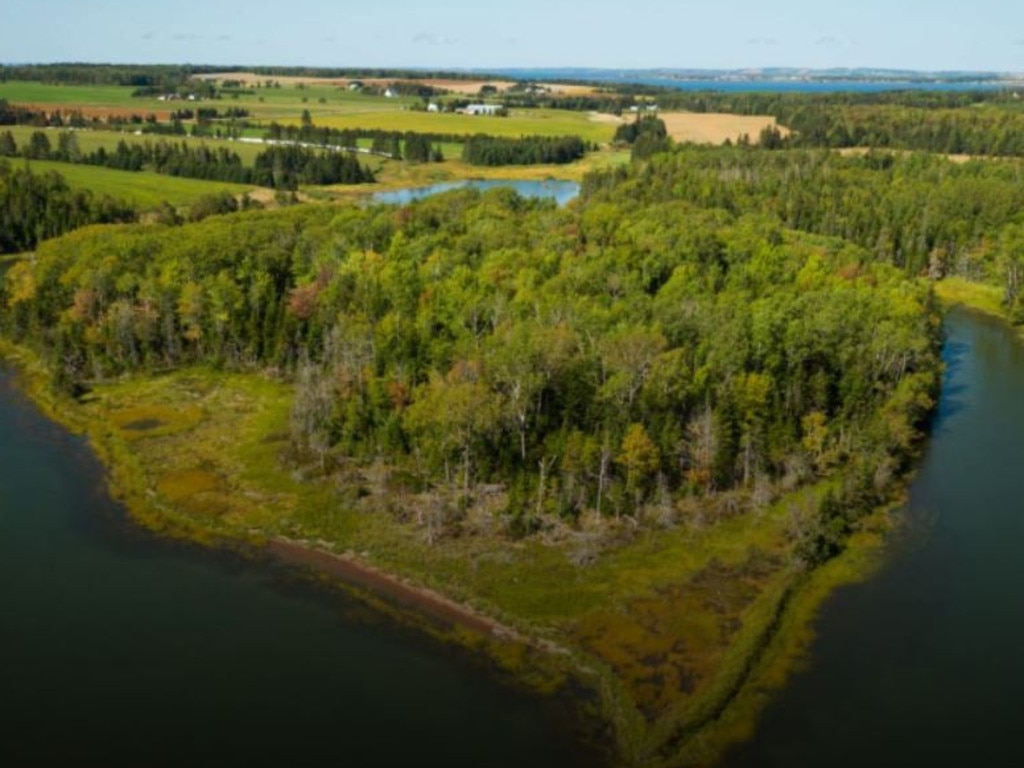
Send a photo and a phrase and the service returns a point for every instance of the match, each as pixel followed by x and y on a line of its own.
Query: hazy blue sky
pixel 913 34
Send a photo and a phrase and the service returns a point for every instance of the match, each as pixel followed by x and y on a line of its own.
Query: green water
pixel 119 649
pixel 923 665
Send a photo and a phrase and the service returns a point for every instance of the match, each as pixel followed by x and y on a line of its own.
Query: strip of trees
pixel 278 167
pixel 34 207
pixel 528 150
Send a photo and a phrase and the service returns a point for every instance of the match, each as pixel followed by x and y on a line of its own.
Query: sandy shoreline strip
pixel 365 576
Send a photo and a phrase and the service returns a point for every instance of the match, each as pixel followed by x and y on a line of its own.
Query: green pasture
pixel 144 189
pixel 534 122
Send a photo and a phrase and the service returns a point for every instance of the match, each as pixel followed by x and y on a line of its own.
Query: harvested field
pixel 715 128
pixel 605 119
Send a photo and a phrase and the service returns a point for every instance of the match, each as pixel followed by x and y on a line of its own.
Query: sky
pixel 983 35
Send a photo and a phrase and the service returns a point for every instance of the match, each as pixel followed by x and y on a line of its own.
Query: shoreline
pixel 765 654
pixel 352 572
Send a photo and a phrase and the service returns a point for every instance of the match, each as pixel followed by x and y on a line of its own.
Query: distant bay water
pixel 739 84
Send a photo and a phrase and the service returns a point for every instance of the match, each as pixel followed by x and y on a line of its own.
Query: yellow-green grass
pixel 981 296
pixel 289 102
pixel 144 189
pixel 92 140
pixel 535 122
pixel 113 96
pixel 667 627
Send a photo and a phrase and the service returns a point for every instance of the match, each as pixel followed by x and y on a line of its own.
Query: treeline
pixel 951 122
pixel 620 98
pixel 282 167
pixel 15 114
pixel 527 150
pixel 34 207
pixel 286 167
pixel 605 359
pixel 479 149
pixel 137 75
pixel 206 114
pixel 414 147
pixel 922 213
pixel 232 120
pixel 142 75
pixel 980 131
pixel 785 103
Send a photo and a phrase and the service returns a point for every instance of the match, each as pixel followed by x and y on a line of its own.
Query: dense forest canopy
pixel 599 357
pixel 921 213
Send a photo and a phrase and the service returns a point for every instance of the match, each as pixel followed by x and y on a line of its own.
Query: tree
pixel 639 457
pixel 38 146
pixel 449 414
pixel 8 146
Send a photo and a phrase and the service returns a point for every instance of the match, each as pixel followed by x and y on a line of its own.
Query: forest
pixel 637 426
pixel 636 348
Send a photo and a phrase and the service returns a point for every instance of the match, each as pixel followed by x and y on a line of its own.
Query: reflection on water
pixel 559 191
pixel 922 665
pixel 118 648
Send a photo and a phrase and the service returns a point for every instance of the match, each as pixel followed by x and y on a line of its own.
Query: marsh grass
pixel 681 633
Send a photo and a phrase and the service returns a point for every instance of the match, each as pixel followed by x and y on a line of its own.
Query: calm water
pixel 559 191
pixel 118 649
pixel 923 665
pixel 751 86
pixel 122 649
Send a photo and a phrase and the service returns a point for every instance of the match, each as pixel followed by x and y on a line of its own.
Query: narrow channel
pixel 923 665
pixel 120 649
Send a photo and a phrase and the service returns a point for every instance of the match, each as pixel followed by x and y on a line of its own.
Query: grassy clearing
pixel 667 627
pixel 986 298
pixel 144 189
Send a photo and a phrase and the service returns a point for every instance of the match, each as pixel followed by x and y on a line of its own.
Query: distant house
pixel 390 94
pixel 484 109
pixel 432 107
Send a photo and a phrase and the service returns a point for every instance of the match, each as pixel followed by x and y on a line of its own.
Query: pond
pixel 558 190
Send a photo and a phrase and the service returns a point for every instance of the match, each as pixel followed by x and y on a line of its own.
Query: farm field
pixel 539 122
pixel 328 105
pixel 147 190
pixel 713 128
